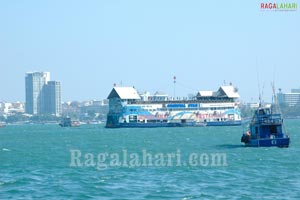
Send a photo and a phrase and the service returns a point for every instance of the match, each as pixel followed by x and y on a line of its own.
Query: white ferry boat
pixel 128 108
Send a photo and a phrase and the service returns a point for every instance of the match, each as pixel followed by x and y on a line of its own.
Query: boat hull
pixel 171 124
pixel 277 142
pixel 225 123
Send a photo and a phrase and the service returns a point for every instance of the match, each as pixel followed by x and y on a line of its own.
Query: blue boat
pixel 266 129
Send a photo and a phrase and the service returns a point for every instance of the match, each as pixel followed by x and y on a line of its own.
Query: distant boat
pixel 67 122
pixel 93 122
pixel 2 125
pixel 266 128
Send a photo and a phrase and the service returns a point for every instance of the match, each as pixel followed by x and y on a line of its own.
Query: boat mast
pixel 277 107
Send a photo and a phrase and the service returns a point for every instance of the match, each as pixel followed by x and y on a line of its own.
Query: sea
pixel 91 162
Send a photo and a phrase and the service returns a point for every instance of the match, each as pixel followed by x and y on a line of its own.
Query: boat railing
pixel 182 101
pixel 268 119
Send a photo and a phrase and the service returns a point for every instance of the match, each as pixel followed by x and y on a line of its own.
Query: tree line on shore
pixel 246 112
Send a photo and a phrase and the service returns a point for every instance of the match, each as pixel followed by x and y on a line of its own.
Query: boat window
pixel 261 112
pixel 273 129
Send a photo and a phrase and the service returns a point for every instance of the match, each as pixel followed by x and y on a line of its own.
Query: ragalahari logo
pixel 274 6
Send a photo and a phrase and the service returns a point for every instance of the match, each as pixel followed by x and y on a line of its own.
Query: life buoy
pixel 246 137
pixel 248 133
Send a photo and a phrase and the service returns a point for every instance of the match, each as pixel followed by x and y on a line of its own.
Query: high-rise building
pixel 34 83
pixel 42 95
pixel 290 99
pixel 52 98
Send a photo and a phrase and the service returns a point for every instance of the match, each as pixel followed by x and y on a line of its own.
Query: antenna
pixel 274 96
pixel 174 81
pixel 258 84
pixel 262 91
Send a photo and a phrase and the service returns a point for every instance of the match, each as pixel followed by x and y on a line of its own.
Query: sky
pixel 90 45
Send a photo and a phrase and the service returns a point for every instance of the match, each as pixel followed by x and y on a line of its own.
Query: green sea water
pixel 36 163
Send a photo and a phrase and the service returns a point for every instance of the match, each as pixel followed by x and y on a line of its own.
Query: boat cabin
pixel 265 124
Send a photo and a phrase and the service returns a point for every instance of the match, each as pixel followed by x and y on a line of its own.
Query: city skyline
pixel 90 46
pixel 43 96
pixel 255 99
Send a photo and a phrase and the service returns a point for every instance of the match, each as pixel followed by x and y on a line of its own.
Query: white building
pixel 290 99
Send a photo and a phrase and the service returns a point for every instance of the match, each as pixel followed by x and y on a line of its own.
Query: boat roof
pixel 228 91
pixel 205 93
pixel 124 93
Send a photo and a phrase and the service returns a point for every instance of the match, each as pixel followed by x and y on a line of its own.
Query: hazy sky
pixel 90 45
